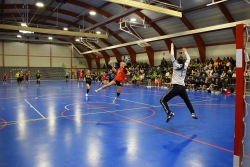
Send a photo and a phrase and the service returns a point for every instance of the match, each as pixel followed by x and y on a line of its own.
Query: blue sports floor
pixel 56 125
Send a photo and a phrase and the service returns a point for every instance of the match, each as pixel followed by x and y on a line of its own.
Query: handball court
pixel 56 125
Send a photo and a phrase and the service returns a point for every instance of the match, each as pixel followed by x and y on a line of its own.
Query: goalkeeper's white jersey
pixel 178 76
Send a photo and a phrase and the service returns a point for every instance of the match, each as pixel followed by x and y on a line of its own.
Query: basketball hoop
pixel 142 43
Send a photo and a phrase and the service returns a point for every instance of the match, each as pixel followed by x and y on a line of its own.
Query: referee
pixel 178 85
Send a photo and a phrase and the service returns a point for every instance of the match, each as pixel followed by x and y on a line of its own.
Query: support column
pixel 71 61
pixel 50 54
pixel 3 53
pixel 28 54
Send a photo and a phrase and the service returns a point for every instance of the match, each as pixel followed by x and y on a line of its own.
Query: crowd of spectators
pixel 211 76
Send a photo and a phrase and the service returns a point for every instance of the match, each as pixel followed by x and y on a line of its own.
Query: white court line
pixel 66 107
pixel 39 119
pixel 101 102
pixel 36 96
pixel 133 101
pixel 34 108
pixel 24 121
pixel 158 105
pixel 104 112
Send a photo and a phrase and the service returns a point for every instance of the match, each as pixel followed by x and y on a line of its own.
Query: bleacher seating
pixel 49 73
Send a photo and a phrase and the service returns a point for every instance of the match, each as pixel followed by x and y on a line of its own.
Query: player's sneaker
pixel 87 94
pixel 96 90
pixel 193 115
pixel 170 116
pixel 114 100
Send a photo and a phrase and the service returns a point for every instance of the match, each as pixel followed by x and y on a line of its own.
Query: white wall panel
pixel 102 62
pixel 39 61
pixel 15 61
pixel 61 62
pixel 93 64
pixel 192 52
pixel 143 57
pixel 61 50
pixel 75 54
pixel 39 49
pixel 15 48
pixel 80 62
pixel 1 60
pixel 158 57
pixel 221 51
pixel 113 59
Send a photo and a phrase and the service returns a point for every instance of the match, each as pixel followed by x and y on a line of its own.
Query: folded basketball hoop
pixel 247 36
pixel 142 43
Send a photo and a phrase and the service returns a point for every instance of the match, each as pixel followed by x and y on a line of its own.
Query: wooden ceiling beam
pixel 227 15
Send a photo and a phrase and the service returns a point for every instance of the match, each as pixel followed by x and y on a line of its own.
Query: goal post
pixel 239 128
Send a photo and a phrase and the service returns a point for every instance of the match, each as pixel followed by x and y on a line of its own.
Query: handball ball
pixel 110 62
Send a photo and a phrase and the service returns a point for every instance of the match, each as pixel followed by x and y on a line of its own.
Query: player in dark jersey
pixel 21 77
pixel 88 79
pixel 38 76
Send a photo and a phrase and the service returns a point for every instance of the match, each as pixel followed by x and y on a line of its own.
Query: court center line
pixel 34 108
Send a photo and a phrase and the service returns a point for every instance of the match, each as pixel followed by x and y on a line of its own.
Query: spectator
pixel 197 84
pixel 217 85
pixel 215 74
pixel 223 75
pixel 167 82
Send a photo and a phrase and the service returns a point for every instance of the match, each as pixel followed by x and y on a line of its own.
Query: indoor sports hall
pixel 56 55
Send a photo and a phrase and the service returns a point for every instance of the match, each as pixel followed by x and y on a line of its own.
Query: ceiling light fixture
pixel 23 24
pixel 65 29
pixel 77 39
pixel 92 13
pixel 98 32
pixel 39 4
pixel 133 19
pixel 19 36
pixel 26 32
pixel 213 3
pixel 50 38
